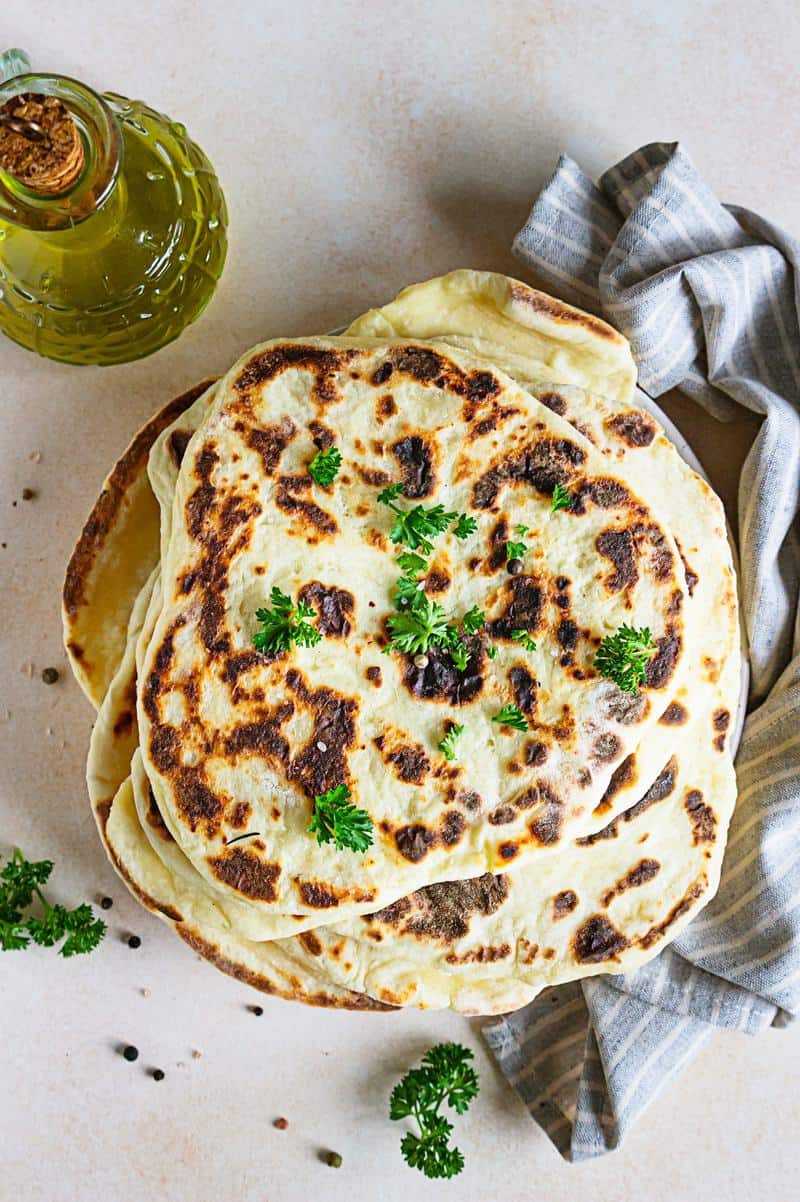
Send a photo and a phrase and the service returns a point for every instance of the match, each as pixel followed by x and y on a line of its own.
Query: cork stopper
pixel 40 144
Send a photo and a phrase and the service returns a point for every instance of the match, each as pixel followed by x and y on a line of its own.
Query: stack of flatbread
pixel 531 819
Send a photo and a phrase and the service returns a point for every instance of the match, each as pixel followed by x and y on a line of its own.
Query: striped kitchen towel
pixel 709 296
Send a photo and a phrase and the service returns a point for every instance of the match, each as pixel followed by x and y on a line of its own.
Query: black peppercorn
pixel 257 1010
pixel 134 941
pixel 158 1074
pixel 130 1052
pixel 28 494
pixel 514 567
pixel 106 903
pixel 50 675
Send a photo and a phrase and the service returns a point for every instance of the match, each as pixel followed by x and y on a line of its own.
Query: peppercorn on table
pixel 138 1070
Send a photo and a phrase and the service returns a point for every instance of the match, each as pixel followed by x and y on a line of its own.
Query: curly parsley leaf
pixel 561 498
pixel 521 530
pixel 623 657
pixel 48 930
pixel 21 879
pixel 524 639
pixel 324 467
pixel 408 589
pixel 423 624
pixel 12 936
pixel 416 527
pixel 84 931
pixel 465 526
pixel 473 620
pixel 445 1077
pixel 411 563
pixel 491 651
pixel 511 715
pixel 515 550
pixel 20 882
pixel 447 745
pixel 284 624
pixel 336 820
pixel 459 653
pixel 390 493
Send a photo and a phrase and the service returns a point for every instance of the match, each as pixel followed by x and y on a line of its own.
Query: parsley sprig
pixel 515 550
pixel 284 624
pixel 445 1076
pixel 20 884
pixel 325 465
pixel 561 498
pixel 336 820
pixel 474 620
pixel 416 527
pixel 421 623
pixel 465 526
pixel 447 745
pixel 623 657
pixel 511 715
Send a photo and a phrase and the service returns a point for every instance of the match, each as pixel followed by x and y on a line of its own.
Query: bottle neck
pixel 102 151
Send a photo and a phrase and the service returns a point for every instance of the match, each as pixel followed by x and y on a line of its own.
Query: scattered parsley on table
pixel 444 1077
pixel 20 887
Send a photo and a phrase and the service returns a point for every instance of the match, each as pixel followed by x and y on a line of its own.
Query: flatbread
pixel 646 855
pixel 480 946
pixel 467 437
pixel 609 903
pixel 201 924
pixel 531 335
pixel 483 312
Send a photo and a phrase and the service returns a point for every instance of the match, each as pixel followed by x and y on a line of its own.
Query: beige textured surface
pixel 410 146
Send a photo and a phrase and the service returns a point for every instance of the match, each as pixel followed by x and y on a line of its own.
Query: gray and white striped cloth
pixel 709 296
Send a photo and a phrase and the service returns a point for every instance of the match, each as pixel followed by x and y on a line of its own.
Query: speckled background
pixel 362 146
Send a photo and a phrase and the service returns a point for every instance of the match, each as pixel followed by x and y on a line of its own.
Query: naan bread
pixel 529 334
pixel 563 909
pixel 246 516
pixel 481 946
pixel 483 312
pixel 608 903
pixel 200 923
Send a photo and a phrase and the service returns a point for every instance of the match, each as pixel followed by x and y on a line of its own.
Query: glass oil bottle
pixel 113 225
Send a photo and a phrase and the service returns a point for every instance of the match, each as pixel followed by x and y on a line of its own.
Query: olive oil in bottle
pixel 112 221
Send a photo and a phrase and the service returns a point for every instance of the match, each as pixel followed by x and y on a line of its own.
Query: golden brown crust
pixel 100 521
pixel 102 811
pixel 210 952
pixel 566 315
